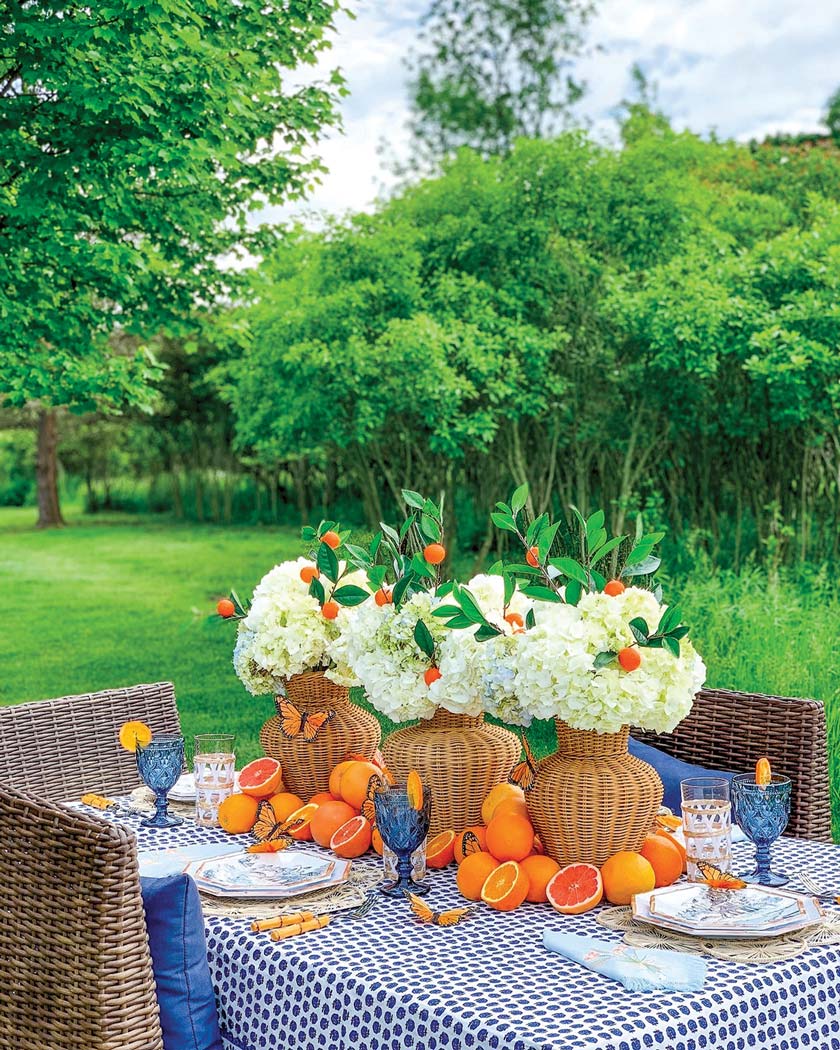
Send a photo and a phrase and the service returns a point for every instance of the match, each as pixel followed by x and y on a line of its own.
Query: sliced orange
pixel 300 820
pixel 763 773
pixel 505 888
pixel 134 733
pixel 352 839
pixel 440 850
pixel 668 821
pixel 414 790
pixel 575 889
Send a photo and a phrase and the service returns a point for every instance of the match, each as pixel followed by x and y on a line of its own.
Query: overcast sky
pixel 741 67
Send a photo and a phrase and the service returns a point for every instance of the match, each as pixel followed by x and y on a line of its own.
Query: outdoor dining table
pixel 386 982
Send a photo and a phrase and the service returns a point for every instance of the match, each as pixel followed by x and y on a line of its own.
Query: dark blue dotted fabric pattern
pixel 387 983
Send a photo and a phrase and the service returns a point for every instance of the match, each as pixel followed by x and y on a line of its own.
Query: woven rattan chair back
pixel 75 970
pixel 730 730
pixel 58 749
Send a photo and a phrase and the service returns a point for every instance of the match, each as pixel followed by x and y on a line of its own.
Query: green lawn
pixel 116 601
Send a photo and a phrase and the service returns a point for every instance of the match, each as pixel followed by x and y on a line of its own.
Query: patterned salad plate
pixel 752 913
pixel 267 875
pixel 184 789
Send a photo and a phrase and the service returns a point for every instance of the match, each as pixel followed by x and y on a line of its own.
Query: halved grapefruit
pixel 352 839
pixel 440 850
pixel 575 889
pixel 261 778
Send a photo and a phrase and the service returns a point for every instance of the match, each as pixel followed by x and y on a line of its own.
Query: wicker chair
pixel 75 969
pixel 729 730
pixel 59 749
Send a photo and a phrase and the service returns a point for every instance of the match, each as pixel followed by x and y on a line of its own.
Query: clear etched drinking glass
pixel 214 764
pixel 159 764
pixel 707 824
pixel 762 812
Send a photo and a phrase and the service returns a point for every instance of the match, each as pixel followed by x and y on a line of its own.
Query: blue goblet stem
pixel 762 861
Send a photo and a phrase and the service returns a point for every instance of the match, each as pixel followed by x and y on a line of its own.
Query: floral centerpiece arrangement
pixel 286 646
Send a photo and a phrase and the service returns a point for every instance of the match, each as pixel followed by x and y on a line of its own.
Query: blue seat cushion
pixel 178 946
pixel 671 771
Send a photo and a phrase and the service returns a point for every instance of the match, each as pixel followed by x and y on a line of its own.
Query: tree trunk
pixel 49 511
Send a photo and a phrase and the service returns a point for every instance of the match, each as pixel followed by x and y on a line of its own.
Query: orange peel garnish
pixel 763 773
pixel 134 733
pixel 414 790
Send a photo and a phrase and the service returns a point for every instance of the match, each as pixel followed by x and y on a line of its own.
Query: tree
pixel 492 71
pixel 832 116
pixel 135 140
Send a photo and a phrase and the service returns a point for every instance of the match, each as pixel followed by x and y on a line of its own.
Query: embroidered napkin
pixel 638 969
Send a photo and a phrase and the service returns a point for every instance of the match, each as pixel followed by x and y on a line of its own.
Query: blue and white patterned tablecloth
pixel 387 983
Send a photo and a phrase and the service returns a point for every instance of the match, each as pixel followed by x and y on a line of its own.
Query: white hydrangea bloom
pixel 285 632
pixel 556 675
pixel 378 646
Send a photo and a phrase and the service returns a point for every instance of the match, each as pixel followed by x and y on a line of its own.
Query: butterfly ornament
pixel 296 724
pixel 272 835
pixel 524 774
pixel 431 917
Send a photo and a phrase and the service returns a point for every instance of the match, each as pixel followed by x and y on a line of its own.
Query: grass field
pixel 116 601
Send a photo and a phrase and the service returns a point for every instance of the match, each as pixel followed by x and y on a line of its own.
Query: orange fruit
pixel 352 839
pixel 510 837
pixel 665 859
pixel 614 588
pixel 414 790
pixel 515 806
pixel 533 557
pixel 479 832
pixel 625 874
pixel 331 538
pixel 336 775
pixel 237 813
pixel 498 794
pixel 515 619
pixel 675 842
pixel 472 874
pixel 261 778
pixel 763 773
pixel 575 889
pixel 431 674
pixel 434 553
pixel 303 815
pixel 505 888
pixel 134 733
pixel 540 871
pixel 538 846
pixel 327 819
pixel 440 850
pixel 284 804
pixel 324 796
pixel 383 597
pixel 376 841
pixel 225 608
pixel 629 658
pixel 329 610
pixel 309 573
pixel 354 782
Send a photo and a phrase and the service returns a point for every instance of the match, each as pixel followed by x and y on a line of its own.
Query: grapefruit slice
pixel 505 888
pixel 352 839
pixel 261 778
pixel 298 822
pixel 134 733
pixel 440 850
pixel 575 889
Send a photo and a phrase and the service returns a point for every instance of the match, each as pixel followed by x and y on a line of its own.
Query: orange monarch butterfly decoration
pixel 268 829
pixel 470 843
pixel 368 809
pixel 524 774
pixel 717 879
pixel 436 918
pixel 294 723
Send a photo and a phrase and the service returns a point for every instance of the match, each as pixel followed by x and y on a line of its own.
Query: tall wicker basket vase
pixel 460 757
pixel 307 764
pixel 591 798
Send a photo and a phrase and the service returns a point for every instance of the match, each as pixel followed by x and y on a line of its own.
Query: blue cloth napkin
pixel 638 969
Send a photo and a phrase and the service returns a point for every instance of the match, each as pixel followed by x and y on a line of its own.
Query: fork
pixel 814 888
pixel 371 897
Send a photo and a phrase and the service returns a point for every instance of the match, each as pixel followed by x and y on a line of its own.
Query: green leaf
pixel 308 534
pixel 645 568
pixel 534 529
pixel 497 568
pixel 358 554
pixel 486 632
pixel 604 660
pixel 459 622
pixel 401 587
pixel 640 636
pixel 390 533
pixel 423 637
pixel 447 610
pixel 594 525
pixel 413 499
pixel 579 516
pixel 350 595
pixel 523 569
pixel 519 499
pixel 376 576
pixel 327 562
pixel 569 567
pixel 430 528
pixel 420 567
pixel 678 632
pixel 546 538
pixel 406 525
pixel 603 551
pixel 502 521
pixel 530 619
pixel 543 594
pixel 670 618
pixel 672 645
pixel 510 588
pixel 316 589
pixel 641 631
pixel 573 591
pixel 470 606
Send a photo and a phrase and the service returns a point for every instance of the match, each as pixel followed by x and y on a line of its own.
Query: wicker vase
pixel 591 798
pixel 461 758
pixel 307 764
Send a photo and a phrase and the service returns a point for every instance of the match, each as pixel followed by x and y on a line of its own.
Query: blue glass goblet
pixel 762 812
pixel 159 764
pixel 403 828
